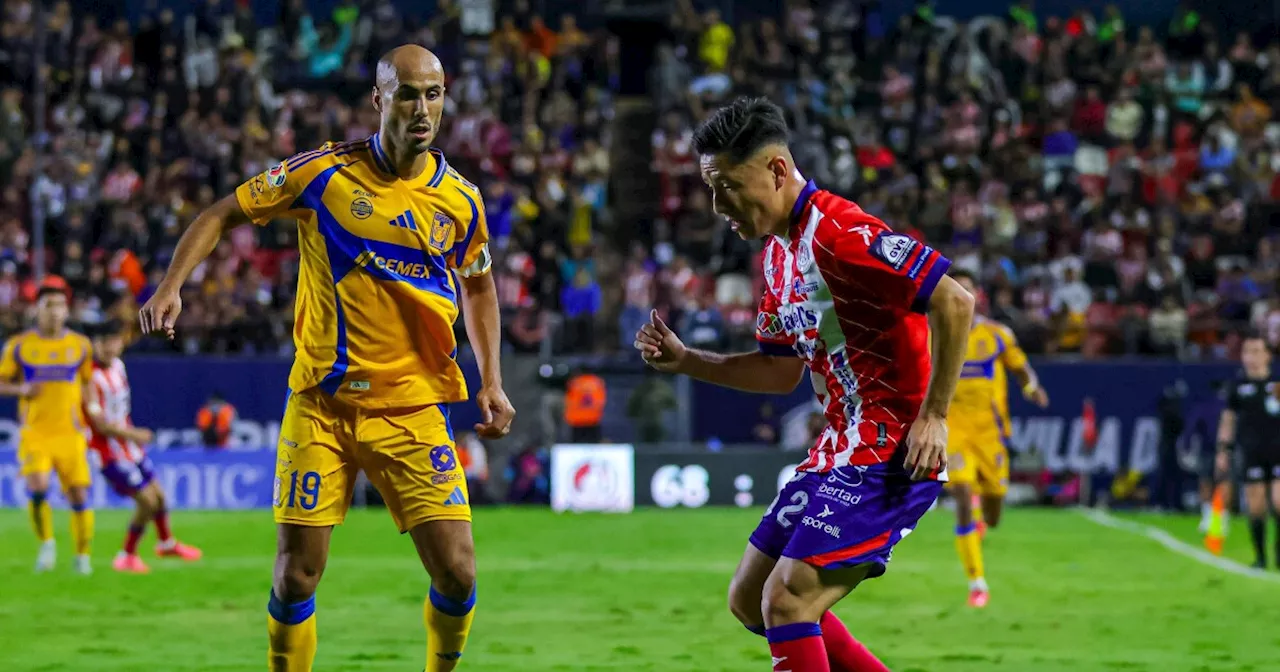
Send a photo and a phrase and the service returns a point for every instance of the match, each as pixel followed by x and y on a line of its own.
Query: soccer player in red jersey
pixel 855 303
pixel 119 446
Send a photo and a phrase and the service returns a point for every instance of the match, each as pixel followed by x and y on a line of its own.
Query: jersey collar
pixel 383 162
pixel 797 210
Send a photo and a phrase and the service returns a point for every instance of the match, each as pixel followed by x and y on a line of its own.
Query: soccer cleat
pixel 177 549
pixel 981 526
pixel 978 598
pixel 129 563
pixel 83 566
pixel 47 557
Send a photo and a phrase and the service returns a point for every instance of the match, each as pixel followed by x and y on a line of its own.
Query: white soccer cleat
pixel 83 566
pixel 47 557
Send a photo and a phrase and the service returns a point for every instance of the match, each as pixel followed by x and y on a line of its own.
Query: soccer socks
pixel 1258 533
pixel 81 528
pixel 448 623
pixel 131 540
pixel 291 633
pixel 41 515
pixel 798 647
pixel 844 653
pixel 969 546
pixel 162 526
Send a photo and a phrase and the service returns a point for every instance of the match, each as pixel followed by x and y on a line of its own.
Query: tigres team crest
pixel 441 231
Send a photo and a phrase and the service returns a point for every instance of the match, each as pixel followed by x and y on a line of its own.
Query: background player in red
pixel 119 446
pixel 848 298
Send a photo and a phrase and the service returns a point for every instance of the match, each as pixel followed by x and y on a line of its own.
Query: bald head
pixel 408 93
pixel 407 61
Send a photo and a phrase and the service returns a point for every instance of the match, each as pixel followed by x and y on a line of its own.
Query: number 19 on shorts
pixel 297 490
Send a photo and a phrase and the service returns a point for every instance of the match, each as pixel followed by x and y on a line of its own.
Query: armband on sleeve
pixel 480 266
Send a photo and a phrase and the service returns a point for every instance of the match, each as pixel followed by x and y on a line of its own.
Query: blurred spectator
pixel 475 466
pixel 584 403
pixel 648 406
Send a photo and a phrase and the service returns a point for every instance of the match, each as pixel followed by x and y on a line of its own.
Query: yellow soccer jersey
pixel 59 367
pixel 376 297
pixel 980 395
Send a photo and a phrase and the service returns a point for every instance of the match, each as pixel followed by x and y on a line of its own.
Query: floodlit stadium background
pixel 1111 176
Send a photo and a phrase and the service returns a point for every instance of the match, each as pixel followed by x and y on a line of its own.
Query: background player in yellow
pixel 48 369
pixel 384 225
pixel 978 460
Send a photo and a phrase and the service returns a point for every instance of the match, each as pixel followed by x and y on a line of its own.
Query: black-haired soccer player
pixel 978 461
pixel 1251 424
pixel 854 302
pixel 48 369
pixel 119 445
pixel 384 226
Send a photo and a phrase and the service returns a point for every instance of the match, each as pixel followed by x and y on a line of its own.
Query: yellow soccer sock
pixel 41 515
pixel 448 623
pixel 969 546
pixel 291 633
pixel 81 528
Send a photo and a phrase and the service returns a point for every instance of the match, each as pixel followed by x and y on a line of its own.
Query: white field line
pixel 1177 546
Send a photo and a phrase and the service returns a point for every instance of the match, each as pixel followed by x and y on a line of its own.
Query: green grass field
pixel 641 592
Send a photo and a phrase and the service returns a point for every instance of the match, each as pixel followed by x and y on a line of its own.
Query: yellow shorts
pixel 65 455
pixel 407 453
pixel 977 457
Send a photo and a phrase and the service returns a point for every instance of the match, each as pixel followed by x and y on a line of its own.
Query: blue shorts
pixel 845 517
pixel 127 477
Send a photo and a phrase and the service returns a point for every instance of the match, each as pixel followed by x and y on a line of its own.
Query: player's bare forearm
pixel 12 389
pixel 198 241
pixel 484 325
pixel 1227 428
pixel 950 314
pixel 747 371
pixel 1027 378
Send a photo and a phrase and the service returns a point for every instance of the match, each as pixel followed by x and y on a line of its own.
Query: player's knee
pixel 298 578
pixel 78 498
pixel 780 603
pixel 457 577
pixel 38 497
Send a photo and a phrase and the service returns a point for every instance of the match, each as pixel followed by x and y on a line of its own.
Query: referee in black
pixel 1250 424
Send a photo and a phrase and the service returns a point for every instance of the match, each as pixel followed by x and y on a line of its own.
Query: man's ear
pixel 377 99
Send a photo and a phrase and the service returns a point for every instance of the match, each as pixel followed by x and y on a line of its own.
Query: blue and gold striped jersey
pixel 59 368
pixel 377 297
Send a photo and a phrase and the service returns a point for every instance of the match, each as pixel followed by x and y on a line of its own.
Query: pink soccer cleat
pixel 177 549
pixel 982 529
pixel 978 598
pixel 129 563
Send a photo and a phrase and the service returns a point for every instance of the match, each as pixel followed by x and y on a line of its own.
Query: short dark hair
pixel 50 290
pixel 112 327
pixel 963 273
pixel 741 128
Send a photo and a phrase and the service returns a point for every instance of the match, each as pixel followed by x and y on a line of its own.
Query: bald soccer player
pixel 390 237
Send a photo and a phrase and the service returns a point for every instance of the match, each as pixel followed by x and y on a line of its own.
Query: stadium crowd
pixel 1113 186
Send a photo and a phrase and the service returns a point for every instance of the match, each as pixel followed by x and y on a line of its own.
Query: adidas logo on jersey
pixel 456 498
pixel 405 221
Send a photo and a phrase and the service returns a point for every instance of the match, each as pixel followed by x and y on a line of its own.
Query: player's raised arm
pixel 258 200
pixel 196 244
pixel 1016 361
pixel 748 371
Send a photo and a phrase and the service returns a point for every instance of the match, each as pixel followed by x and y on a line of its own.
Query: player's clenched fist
pixel 658 345
pixel 160 313
pixel 926 446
